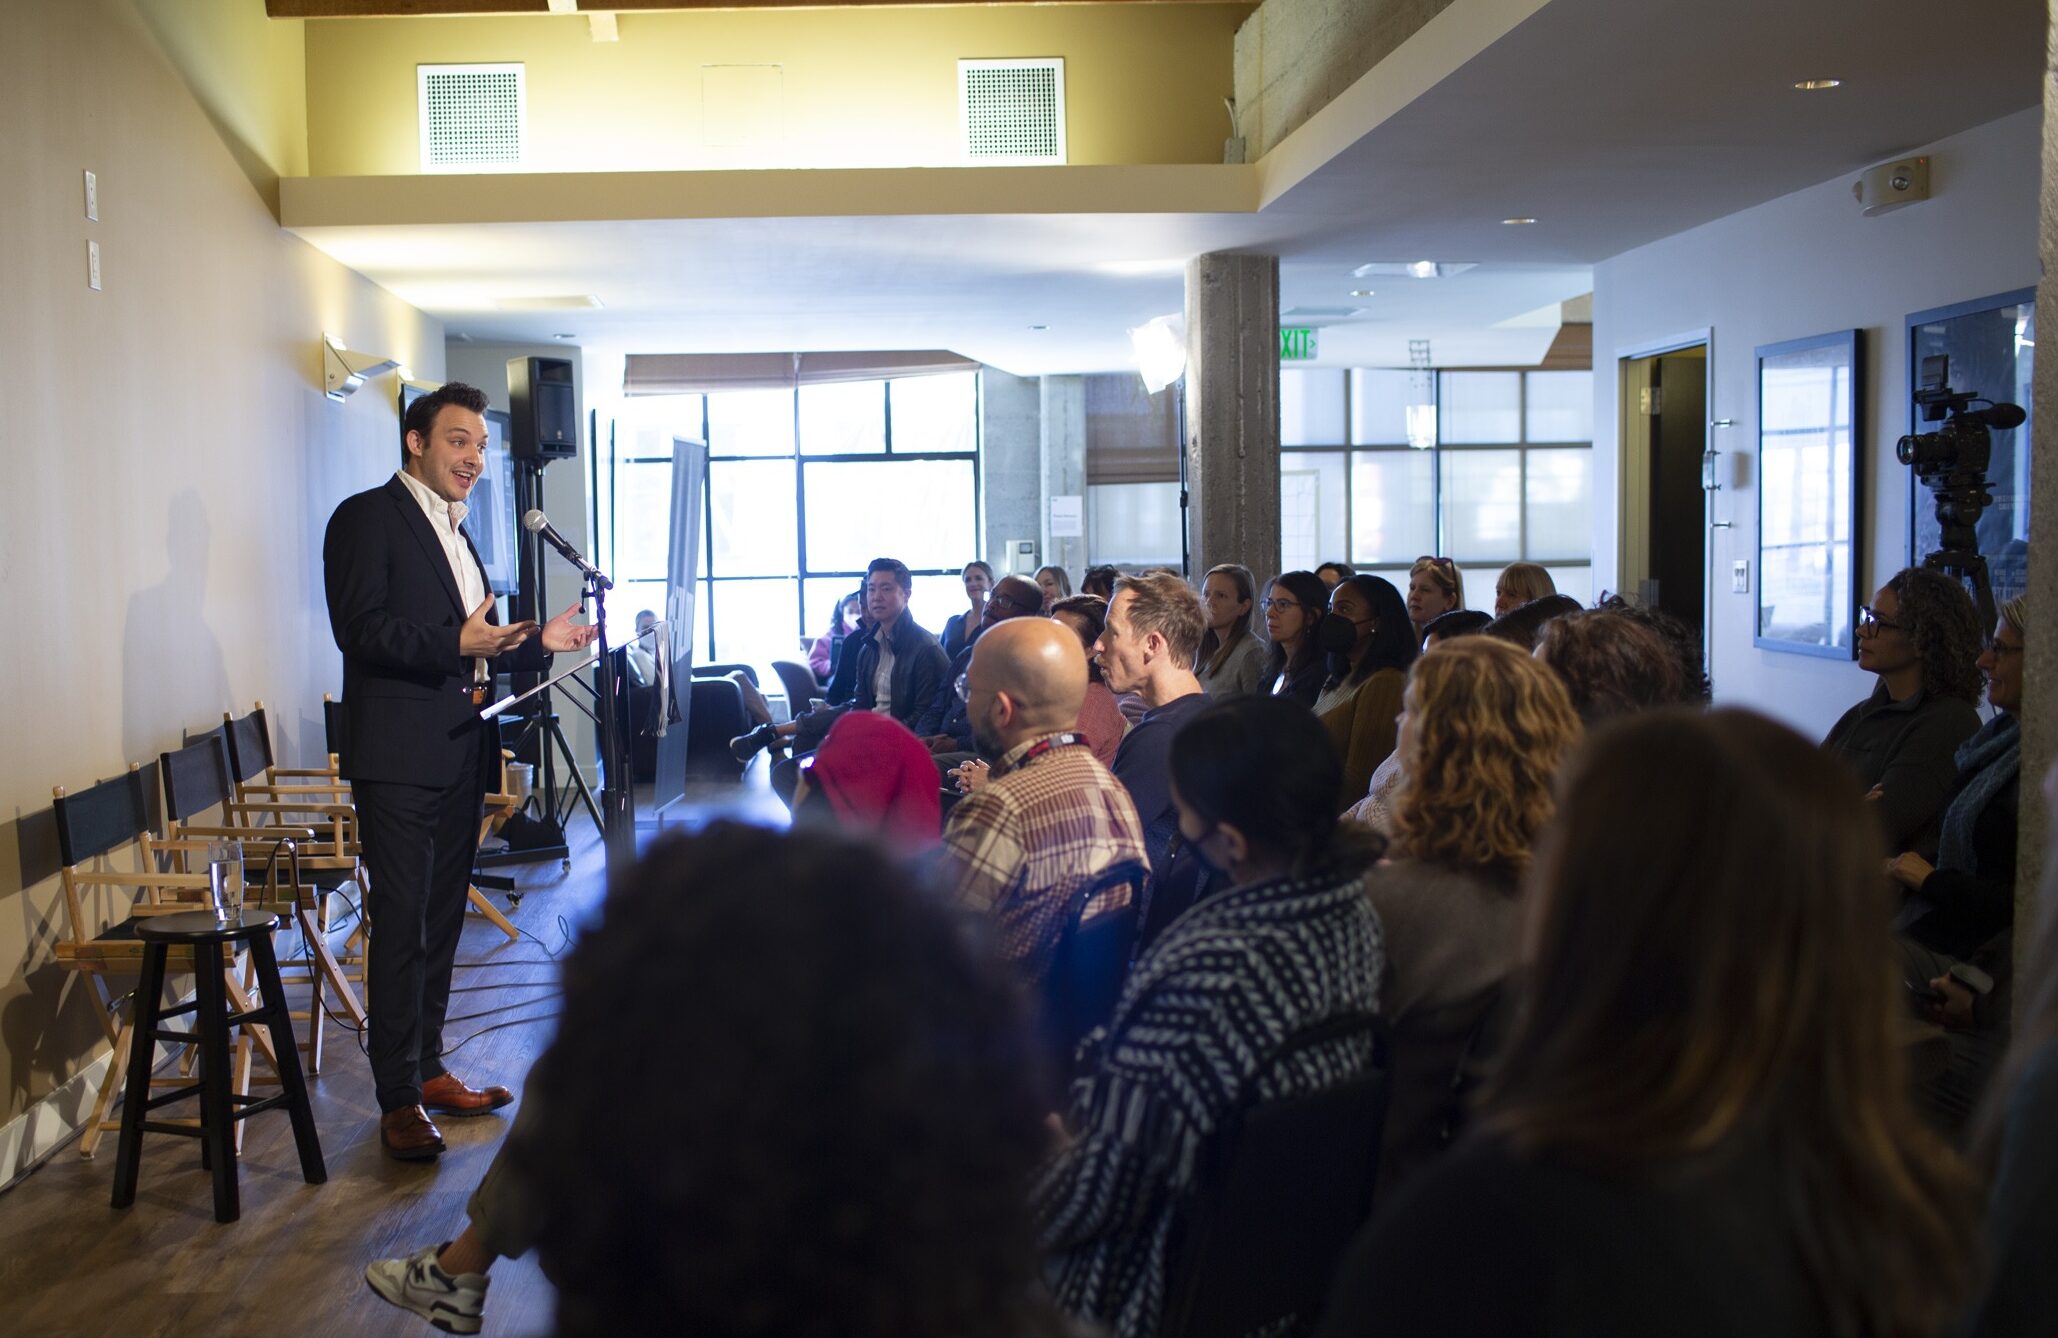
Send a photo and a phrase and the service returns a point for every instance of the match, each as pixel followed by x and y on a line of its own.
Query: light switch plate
pixel 1740 577
pixel 92 197
pixel 93 265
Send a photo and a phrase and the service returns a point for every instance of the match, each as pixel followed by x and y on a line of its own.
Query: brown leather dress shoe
pixel 447 1095
pixel 409 1135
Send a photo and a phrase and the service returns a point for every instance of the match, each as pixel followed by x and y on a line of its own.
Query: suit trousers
pixel 419 845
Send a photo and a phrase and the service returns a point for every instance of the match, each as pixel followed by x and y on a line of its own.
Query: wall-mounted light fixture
pixel 344 371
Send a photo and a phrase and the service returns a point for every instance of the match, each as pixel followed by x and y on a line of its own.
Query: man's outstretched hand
pixel 482 640
pixel 561 633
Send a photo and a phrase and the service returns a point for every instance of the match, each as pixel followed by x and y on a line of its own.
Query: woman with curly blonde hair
pixel 1483 731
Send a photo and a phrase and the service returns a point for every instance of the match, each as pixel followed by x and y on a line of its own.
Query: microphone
pixel 539 525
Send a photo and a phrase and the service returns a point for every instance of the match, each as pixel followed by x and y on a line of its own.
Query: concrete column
pixel 1010 462
pixel 2040 658
pixel 1064 467
pixel 1232 412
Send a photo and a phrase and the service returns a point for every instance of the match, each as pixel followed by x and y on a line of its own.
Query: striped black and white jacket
pixel 1223 984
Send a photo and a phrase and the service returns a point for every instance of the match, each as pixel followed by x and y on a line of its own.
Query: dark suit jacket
pixel 396 612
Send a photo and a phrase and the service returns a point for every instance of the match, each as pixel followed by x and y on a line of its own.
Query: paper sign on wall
pixel 1068 517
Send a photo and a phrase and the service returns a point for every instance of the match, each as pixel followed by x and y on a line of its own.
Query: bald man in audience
pixel 1048 818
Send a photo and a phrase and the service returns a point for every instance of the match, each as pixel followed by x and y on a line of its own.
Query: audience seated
pixel 1100 719
pixel 1435 585
pixel 1231 659
pixel 1375 810
pixel 871 777
pixel 1362 695
pixel 1519 583
pixel 823 656
pixel 1055 584
pixel 1014 597
pixel 1291 942
pixel 1481 741
pixel 1921 637
pixel 1100 581
pixel 1523 626
pixel 834 1135
pixel 1333 572
pixel 1293 607
pixel 1147 647
pixel 1049 817
pixel 1700 1124
pixel 2015 1141
pixel 1612 663
pixel 960 628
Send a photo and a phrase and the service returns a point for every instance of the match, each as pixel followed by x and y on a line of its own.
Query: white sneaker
pixel 418 1283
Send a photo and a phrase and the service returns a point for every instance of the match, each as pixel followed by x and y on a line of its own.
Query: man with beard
pixel 1048 818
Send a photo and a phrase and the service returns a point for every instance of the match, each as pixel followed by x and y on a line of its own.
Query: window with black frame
pixel 804 488
pixel 1508 477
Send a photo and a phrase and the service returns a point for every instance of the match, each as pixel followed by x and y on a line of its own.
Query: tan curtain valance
pixel 698 373
pixel 1131 436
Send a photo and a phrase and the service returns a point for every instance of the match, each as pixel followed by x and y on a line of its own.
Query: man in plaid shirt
pixel 1048 817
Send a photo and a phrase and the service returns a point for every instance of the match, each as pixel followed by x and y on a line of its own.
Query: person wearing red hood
pixel 872 775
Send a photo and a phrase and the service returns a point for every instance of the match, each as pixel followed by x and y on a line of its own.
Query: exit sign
pixel 1296 343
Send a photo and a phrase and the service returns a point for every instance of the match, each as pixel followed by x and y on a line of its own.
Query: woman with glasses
pixel 960 628
pixel 1921 636
pixel 1231 660
pixel 1293 605
pixel 1435 587
pixel 1962 905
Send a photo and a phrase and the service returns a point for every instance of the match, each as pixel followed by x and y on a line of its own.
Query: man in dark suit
pixel 411 612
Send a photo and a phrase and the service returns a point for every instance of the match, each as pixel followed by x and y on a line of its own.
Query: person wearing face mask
pixel 1289 942
pixel 1292 606
pixel 1370 642
pixel 1048 818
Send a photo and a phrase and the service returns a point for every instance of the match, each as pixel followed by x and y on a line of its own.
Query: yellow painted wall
pixel 248 73
pixel 878 88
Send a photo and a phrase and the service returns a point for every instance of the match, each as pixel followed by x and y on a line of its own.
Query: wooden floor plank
pixel 294 1263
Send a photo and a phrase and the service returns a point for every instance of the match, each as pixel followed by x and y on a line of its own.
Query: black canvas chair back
pixel 800 683
pixel 1281 1189
pixel 1091 962
pixel 101 818
pixel 250 745
pixel 196 777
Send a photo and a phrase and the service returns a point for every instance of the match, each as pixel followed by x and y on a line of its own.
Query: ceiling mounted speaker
pixel 1013 111
pixel 472 117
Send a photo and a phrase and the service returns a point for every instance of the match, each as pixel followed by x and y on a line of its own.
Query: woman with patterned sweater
pixel 1290 943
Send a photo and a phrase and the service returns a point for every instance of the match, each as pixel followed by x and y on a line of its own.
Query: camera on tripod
pixel 1952 463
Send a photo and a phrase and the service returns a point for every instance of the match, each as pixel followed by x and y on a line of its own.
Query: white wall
pixel 1807 264
pixel 171 462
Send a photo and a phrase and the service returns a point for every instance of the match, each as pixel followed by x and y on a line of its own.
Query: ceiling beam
pixel 343 9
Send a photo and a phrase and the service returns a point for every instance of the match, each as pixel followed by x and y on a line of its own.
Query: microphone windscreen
pixel 536 522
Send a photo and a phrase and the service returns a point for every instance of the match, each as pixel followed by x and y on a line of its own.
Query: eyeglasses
pixel 1870 621
pixel 1004 601
pixel 1270 604
pixel 1436 561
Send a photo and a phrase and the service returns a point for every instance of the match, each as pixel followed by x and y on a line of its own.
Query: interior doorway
pixel 1665 518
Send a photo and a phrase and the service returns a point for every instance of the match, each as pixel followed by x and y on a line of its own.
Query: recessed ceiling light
pixel 564 336
pixel 1039 327
pixel 1361 292
pixel 1817 85
pixel 1516 222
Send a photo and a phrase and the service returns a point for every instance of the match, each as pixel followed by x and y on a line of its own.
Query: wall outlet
pixel 93 266
pixel 92 197
pixel 1740 577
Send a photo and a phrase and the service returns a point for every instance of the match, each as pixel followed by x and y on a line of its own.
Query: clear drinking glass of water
pixel 225 878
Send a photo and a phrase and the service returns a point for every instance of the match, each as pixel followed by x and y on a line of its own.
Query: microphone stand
pixel 618 784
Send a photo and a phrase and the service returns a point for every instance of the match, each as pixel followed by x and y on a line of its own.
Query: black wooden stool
pixel 219 1107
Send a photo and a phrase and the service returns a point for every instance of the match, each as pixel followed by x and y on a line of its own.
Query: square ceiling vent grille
pixel 472 117
pixel 1013 110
